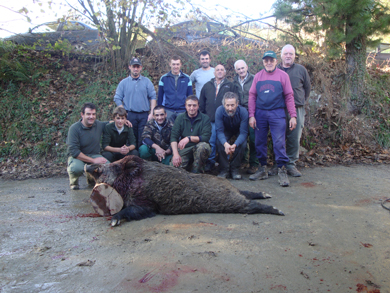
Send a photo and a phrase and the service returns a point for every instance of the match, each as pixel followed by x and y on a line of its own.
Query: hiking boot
pixel 235 174
pixel 74 187
pixel 252 169
pixel 261 174
pixel 274 170
pixel 223 174
pixel 244 166
pixel 283 178
pixel 293 171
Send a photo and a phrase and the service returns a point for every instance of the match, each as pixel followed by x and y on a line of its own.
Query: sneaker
pixel 252 169
pixel 274 170
pixel 261 173
pixel 235 174
pixel 74 187
pixel 283 178
pixel 223 174
pixel 294 172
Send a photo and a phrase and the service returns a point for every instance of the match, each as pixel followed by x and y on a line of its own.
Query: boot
pixel 261 173
pixel 283 178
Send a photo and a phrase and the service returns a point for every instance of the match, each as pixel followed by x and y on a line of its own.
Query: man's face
pixel 135 70
pixel 89 117
pixel 231 106
pixel 241 69
pixel 175 66
pixel 219 72
pixel 204 61
pixel 288 57
pixel 119 121
pixel 269 63
pixel 192 108
pixel 160 116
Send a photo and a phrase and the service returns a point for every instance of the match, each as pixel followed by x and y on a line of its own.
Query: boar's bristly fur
pixel 150 187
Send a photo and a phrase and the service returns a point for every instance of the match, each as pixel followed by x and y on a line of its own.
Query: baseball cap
pixel 271 54
pixel 135 61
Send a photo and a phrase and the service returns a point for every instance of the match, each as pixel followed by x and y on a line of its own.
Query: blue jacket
pixel 171 97
pixel 236 125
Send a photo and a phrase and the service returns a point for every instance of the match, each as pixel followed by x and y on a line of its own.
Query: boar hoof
pixel 115 222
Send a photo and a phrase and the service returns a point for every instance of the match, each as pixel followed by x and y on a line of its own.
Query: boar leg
pixel 255 207
pixel 255 195
pixel 132 212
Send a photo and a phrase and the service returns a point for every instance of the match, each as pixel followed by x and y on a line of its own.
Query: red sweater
pixel 271 91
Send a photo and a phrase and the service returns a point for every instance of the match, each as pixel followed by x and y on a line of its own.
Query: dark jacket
pixel 183 127
pixel 208 102
pixel 152 134
pixel 236 125
pixel 245 89
pixel 300 82
pixel 112 138
pixel 173 97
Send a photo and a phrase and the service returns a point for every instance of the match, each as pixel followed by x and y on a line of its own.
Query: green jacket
pixel 111 136
pixel 183 127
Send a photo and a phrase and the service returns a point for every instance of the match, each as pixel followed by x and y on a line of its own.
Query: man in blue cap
pixel 269 95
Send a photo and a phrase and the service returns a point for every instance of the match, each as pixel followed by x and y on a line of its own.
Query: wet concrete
pixel 335 237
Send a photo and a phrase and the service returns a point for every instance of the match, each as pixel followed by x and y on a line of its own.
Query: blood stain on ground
pixel 308 184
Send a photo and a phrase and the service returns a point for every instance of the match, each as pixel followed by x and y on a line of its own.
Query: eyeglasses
pixel 268 60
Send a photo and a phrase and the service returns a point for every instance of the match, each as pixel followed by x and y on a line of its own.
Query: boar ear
pixel 132 166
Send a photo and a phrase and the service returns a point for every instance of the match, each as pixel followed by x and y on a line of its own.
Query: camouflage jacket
pixel 159 135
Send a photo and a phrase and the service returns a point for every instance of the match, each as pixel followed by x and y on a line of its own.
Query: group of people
pixel 176 127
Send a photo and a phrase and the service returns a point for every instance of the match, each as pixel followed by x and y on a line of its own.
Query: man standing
pixel 211 98
pixel 190 136
pixel 84 144
pixel 173 89
pixel 156 138
pixel 269 95
pixel 202 75
pixel 300 82
pixel 137 95
pixel 231 120
pixel 244 79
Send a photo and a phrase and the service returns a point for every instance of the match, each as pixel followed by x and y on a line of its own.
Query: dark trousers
pixel 275 121
pixel 112 157
pixel 139 121
pixel 236 158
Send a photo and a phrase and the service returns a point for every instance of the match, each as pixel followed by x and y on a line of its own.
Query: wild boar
pixel 148 188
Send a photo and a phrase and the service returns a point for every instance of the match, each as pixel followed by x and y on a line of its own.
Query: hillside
pixel 42 93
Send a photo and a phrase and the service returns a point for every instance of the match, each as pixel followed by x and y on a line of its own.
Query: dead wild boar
pixel 148 188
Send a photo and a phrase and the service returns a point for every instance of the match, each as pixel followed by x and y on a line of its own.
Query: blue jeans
pixel 274 120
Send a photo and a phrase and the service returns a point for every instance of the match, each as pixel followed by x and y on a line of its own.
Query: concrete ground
pixel 335 237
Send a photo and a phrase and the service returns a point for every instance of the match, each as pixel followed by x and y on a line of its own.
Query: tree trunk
pixel 356 69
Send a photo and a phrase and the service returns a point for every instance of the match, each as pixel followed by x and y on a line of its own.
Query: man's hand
pixel 150 116
pixel 227 148
pixel 183 143
pixel 252 122
pixel 99 160
pixel 293 123
pixel 124 150
pixel 176 160
pixel 160 153
pixel 128 123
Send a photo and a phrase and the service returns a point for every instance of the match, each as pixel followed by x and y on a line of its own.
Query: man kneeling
pixel 156 137
pixel 190 137
pixel 231 120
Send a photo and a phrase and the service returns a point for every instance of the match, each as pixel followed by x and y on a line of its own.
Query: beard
pixel 231 113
